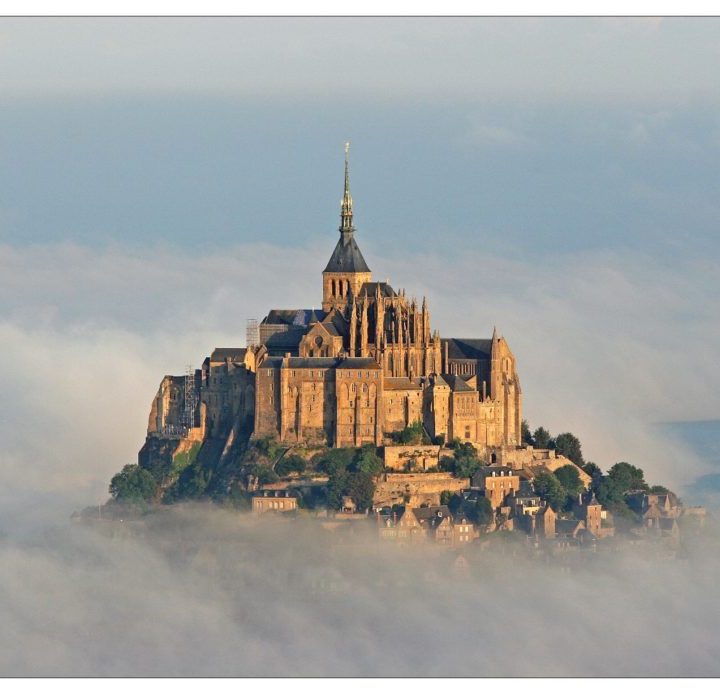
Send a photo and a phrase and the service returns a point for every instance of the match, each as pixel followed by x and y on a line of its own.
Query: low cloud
pixel 194 592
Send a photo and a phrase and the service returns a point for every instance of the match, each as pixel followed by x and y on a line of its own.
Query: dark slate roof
pixel 347 256
pixel 566 527
pixel 358 363
pixel 431 515
pixel 285 339
pixel 370 288
pixel 335 323
pixel 271 363
pixel 300 317
pixel 312 362
pixel 232 353
pixel 467 348
pixel 457 384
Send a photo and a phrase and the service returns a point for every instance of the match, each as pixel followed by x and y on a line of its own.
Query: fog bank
pixel 198 592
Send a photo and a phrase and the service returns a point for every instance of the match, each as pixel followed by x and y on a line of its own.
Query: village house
pixel 277 500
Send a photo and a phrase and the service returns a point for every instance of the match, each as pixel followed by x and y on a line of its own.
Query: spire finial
pixel 346 211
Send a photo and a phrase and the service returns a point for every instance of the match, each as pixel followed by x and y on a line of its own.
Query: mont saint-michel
pixel 360 409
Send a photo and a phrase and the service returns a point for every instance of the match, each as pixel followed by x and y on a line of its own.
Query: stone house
pixel 497 483
pixel 277 500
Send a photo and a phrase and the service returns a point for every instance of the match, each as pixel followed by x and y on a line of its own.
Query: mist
pixel 194 591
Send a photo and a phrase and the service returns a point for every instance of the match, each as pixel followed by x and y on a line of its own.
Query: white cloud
pixel 190 592
pixel 459 58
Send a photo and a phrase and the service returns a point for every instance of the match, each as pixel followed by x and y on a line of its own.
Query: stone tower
pixel 346 271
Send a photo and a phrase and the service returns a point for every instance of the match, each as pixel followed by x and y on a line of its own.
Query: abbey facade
pixel 364 366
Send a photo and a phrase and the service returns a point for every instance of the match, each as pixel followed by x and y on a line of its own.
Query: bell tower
pixel 346 271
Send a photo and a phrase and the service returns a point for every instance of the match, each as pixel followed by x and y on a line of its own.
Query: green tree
pixel 570 479
pixel 412 434
pixel 542 438
pixel 569 445
pixel 133 484
pixel 526 434
pixel 466 467
pixel 549 488
pixel 607 491
pixel 193 482
pixel 447 463
pixel 446 497
pixel 627 477
pixel 368 461
pixel 290 463
pixel 484 511
pixel 334 460
pixel 361 487
pixel 658 489
pixel 264 474
pixel 337 488
pixel 592 469
pixel 466 460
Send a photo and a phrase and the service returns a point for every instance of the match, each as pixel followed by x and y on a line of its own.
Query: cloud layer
pixel 470 58
pixel 193 592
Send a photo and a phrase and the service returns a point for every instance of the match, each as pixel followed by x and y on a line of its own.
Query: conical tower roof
pixel 347 256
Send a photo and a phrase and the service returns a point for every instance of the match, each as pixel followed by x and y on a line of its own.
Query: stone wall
pixel 398 457
pixel 393 488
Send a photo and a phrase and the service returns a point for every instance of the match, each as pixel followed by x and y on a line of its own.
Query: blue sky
pixel 163 180
pixel 527 136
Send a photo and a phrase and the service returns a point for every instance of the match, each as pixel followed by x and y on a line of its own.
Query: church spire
pixel 346 211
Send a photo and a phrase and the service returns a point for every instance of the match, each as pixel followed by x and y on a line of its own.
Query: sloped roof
pixel 400 383
pixel 467 348
pixel 432 515
pixel 311 362
pixel 300 317
pixel 231 353
pixel 369 288
pixel 347 256
pixel 358 363
pixel 457 384
pixel 271 363
pixel 285 339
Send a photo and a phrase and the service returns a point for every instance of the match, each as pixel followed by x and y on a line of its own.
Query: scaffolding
pixel 252 333
pixel 190 398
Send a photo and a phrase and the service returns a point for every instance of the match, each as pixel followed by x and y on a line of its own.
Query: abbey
pixel 364 366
